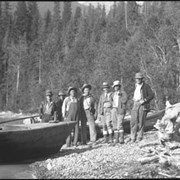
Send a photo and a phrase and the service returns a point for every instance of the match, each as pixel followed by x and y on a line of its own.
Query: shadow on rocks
pixel 77 150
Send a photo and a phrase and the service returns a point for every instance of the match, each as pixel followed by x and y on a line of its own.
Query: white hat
pixel 116 83
pixel 105 85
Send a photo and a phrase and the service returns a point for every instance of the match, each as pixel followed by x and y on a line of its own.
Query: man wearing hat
pixel 119 100
pixel 61 97
pixel 142 97
pixel 70 112
pixel 87 109
pixel 47 109
pixel 104 111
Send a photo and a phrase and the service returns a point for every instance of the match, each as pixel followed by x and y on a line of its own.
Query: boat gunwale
pixel 32 127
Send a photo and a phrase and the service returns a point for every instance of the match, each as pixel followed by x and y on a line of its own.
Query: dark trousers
pixel 46 118
pixel 138 117
pixel 83 128
pixel 73 137
pixel 73 115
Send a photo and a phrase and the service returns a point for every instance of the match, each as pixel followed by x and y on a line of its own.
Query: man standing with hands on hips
pixel 87 111
pixel 141 106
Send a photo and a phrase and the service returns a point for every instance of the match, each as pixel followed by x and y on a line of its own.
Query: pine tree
pixel 57 21
pixel 33 21
pixel 66 13
pixel 0 9
pixel 47 22
pixel 1 24
pixel 77 16
pixel 21 18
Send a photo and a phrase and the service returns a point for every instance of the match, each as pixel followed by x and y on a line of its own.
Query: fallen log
pixel 175 161
pixel 173 145
pixel 149 144
pixel 146 160
pixel 167 175
pixel 176 152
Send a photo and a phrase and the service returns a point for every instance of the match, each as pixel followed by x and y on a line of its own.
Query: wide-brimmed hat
pixel 86 86
pixel 49 93
pixel 116 83
pixel 139 75
pixel 105 85
pixel 61 93
pixel 71 88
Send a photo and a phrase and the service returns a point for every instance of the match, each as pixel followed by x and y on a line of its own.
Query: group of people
pixel 111 109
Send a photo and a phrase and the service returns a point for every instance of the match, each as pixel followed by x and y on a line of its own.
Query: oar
pixel 11 120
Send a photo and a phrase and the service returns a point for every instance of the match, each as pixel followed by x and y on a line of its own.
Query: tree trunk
pixel 7 92
pixel 126 14
pixel 40 64
pixel 17 83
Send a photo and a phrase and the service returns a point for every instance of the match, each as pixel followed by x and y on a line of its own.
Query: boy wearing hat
pixel 61 97
pixel 70 112
pixel 119 100
pixel 104 110
pixel 87 109
pixel 47 108
pixel 141 105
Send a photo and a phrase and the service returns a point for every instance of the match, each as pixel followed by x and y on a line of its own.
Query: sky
pixel 107 3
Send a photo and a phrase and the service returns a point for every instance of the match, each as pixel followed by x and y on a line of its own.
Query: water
pixel 16 171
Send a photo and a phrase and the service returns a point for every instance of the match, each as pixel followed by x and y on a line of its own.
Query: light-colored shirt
pixel 66 104
pixel 87 102
pixel 137 92
pixel 116 99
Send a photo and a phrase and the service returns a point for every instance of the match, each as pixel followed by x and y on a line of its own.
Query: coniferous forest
pixel 62 49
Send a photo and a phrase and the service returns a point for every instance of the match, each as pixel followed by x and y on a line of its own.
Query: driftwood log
pixel 152 159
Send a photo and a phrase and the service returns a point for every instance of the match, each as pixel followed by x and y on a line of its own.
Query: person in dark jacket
pixel 87 114
pixel 143 94
pixel 47 108
pixel 70 112
pixel 61 97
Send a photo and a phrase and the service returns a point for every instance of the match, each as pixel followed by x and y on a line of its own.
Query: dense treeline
pixel 63 49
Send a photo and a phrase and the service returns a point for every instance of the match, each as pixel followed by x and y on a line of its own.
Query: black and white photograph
pixel 89 89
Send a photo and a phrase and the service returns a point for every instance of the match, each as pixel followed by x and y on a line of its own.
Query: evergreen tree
pixel 33 21
pixel 47 22
pixel 57 21
pixel 77 16
pixel 66 13
pixel 0 9
pixel 21 18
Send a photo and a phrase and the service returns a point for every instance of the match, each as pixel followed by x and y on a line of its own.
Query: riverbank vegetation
pixel 61 49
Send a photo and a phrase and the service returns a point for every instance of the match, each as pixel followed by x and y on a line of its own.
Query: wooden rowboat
pixel 149 123
pixel 20 142
pixel 151 120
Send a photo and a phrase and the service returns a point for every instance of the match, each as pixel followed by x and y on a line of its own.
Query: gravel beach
pixel 101 161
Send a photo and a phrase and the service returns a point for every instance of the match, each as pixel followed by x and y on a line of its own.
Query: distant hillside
pixel 45 5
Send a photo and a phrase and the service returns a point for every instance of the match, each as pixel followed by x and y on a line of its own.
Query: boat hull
pixel 149 123
pixel 25 142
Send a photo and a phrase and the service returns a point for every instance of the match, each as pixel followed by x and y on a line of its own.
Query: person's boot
pixel 105 139
pixel 121 133
pixel 116 135
pixel 110 138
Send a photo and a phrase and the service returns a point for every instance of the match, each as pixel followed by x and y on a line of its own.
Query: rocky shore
pixel 100 161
